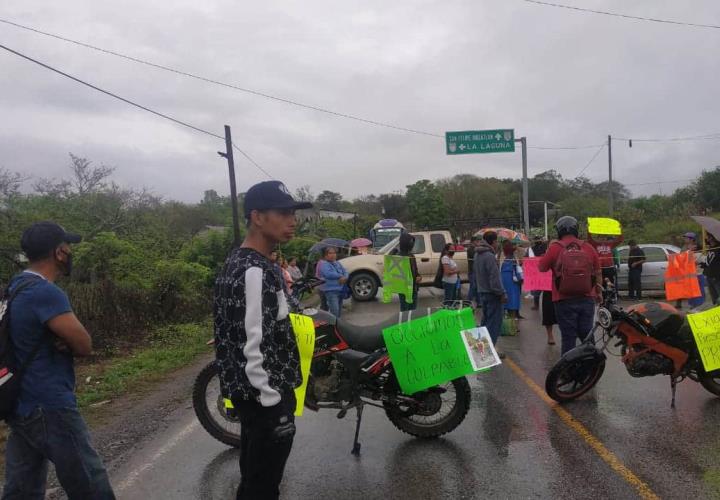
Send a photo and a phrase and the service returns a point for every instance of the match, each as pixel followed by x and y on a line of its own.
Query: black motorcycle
pixel 350 369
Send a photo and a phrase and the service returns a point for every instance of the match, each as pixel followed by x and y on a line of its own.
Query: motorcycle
pixel 350 369
pixel 654 339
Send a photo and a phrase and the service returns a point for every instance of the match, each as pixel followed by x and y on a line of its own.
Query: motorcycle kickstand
pixel 356 445
pixel 673 387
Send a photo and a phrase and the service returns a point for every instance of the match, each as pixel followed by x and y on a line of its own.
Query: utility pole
pixel 526 203
pixel 610 180
pixel 228 154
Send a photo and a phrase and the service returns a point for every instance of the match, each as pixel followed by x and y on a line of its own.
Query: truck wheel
pixel 364 286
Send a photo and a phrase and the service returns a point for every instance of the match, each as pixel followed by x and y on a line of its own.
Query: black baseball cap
pixel 41 238
pixel 271 195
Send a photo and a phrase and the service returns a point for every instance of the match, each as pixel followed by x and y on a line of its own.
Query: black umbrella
pixel 710 225
pixel 328 242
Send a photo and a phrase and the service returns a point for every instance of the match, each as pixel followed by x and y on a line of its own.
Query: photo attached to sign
pixel 480 348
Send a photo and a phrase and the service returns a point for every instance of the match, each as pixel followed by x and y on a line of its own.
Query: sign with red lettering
pixel 534 279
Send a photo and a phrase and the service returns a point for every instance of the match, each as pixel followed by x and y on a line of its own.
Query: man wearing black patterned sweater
pixel 254 343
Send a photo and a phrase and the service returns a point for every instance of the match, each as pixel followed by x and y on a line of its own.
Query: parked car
pixel 653 275
pixel 366 270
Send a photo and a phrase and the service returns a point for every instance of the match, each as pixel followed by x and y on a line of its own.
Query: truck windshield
pixel 389 247
pixel 383 236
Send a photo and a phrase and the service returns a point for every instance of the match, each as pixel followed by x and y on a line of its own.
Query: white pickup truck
pixel 366 270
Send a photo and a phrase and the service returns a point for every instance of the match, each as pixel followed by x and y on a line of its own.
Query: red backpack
pixel 573 269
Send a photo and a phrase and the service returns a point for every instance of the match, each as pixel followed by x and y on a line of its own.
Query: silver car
pixel 653 273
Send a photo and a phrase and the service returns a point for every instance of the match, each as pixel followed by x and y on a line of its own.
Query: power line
pixel 678 181
pixel 591 160
pixel 626 16
pixel 673 139
pixel 251 91
pixel 127 101
pixel 222 84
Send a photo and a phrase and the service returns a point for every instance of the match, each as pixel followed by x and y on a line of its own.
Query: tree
pixel 329 200
pixel 468 197
pixel 394 205
pixel 303 193
pixel 707 189
pixel 426 205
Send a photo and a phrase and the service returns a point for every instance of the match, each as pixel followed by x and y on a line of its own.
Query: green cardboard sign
pixel 429 351
pixel 397 278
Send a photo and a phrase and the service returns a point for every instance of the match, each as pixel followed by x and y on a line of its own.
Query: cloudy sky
pixel 559 77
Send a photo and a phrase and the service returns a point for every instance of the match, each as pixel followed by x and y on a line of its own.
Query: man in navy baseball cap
pixel 271 195
pixel 40 239
pixel 257 354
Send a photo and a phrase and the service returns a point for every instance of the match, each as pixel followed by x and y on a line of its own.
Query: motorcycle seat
pixel 369 338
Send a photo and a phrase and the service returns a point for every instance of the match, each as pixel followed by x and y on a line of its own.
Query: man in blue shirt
pixel 46 426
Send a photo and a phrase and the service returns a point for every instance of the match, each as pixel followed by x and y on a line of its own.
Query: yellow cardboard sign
pixel 602 225
pixel 706 329
pixel 304 329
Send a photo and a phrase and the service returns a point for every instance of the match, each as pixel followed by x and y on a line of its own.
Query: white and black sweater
pixel 254 343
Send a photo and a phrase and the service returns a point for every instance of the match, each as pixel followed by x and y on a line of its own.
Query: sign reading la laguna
pixel 480 141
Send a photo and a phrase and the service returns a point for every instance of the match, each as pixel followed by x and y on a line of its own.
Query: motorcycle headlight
pixel 604 318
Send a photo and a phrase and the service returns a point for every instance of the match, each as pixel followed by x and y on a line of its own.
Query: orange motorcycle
pixel 654 338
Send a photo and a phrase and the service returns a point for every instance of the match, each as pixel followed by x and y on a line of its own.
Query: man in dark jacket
pixel 712 267
pixel 491 294
pixel 255 347
pixel 636 259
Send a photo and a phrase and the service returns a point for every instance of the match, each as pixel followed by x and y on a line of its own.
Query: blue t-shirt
pixel 49 381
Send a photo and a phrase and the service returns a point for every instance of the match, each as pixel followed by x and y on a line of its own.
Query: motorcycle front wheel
pixel 711 381
pixel 569 380
pixel 220 422
pixel 432 412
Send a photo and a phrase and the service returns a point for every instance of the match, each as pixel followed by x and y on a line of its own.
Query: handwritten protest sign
pixel 602 225
pixel 534 279
pixel 397 278
pixel 304 330
pixel 429 351
pixel 706 329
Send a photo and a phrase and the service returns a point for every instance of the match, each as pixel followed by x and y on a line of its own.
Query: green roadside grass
pixel 167 349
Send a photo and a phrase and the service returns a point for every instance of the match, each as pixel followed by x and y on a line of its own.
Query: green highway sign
pixel 480 141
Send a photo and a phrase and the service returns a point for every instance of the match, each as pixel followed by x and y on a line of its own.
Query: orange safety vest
pixel 681 281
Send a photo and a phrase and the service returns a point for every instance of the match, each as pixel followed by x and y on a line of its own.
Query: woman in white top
pixel 295 272
pixel 450 275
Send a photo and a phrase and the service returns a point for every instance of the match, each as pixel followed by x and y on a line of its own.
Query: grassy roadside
pixel 168 348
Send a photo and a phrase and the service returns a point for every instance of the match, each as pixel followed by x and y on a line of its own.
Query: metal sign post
pixel 492 141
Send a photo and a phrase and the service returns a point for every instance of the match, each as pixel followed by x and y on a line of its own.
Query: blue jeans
pixel 334 303
pixel 492 309
pixel 472 290
pixel 575 319
pixel 60 437
pixel 450 292
pixel 408 307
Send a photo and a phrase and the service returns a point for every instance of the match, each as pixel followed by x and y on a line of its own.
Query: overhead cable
pixel 251 91
pixel 602 146
pixel 132 103
pixel 626 16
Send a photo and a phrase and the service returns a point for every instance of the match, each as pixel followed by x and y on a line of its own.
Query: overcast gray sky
pixel 559 77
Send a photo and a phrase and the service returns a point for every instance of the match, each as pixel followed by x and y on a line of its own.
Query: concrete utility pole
pixel 228 154
pixel 525 196
pixel 610 181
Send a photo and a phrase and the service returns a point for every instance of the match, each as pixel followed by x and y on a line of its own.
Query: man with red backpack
pixel 575 266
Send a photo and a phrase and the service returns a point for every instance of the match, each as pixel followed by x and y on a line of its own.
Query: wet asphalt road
pixel 625 442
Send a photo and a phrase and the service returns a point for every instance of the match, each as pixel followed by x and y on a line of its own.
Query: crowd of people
pixel 256 351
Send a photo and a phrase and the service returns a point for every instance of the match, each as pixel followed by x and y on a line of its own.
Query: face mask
pixel 68 264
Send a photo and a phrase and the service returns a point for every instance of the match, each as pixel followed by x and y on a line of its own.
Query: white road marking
pixel 135 475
